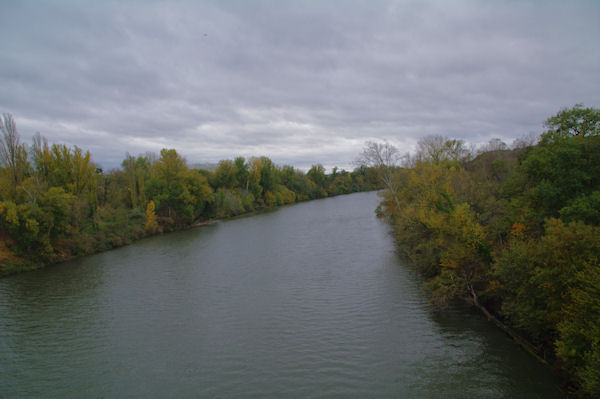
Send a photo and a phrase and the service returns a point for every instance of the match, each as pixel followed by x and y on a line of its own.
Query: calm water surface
pixel 309 301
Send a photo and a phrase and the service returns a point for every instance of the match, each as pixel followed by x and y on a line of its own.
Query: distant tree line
pixel 56 203
pixel 516 231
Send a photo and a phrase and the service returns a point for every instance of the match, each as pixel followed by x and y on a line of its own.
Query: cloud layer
pixel 299 81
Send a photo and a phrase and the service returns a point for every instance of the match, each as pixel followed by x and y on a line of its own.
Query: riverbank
pixel 59 205
pixel 11 264
pixel 518 233
pixel 286 304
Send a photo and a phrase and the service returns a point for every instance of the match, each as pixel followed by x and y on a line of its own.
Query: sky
pixel 302 82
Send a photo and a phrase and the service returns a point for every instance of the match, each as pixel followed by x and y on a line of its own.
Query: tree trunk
pixel 519 340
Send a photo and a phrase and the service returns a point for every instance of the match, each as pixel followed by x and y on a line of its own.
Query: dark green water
pixel 309 301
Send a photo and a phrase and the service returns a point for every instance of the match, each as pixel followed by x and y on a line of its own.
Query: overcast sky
pixel 302 82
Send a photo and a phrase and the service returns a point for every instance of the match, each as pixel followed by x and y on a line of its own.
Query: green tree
pixel 137 171
pixel 269 175
pixel 241 172
pixel 129 167
pixel 572 122
pixel 225 175
pixel 585 208
pixel 254 179
pixel 578 345
pixel 317 174
pixel 36 227
pixel 179 193
pixel 536 275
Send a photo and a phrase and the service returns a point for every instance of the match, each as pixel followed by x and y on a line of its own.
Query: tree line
pixel 56 203
pixel 515 231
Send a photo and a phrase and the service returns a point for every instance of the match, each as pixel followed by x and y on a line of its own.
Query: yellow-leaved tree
pixel 151 221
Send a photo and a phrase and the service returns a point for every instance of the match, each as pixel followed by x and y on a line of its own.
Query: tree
pixel 494 145
pixel 167 188
pixel 151 222
pixel 585 208
pixel 83 172
pixel 129 167
pixel 317 174
pixel 241 172
pixel 13 154
pixel 541 275
pixel 538 275
pixel 288 176
pixel 560 169
pixel 254 178
pixel 41 157
pixel 579 342
pixel 464 253
pixel 179 193
pixel 384 158
pixel 269 175
pixel 437 149
pixel 225 175
pixel 572 122
pixel 170 164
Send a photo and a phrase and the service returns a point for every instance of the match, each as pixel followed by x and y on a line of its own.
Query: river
pixel 308 301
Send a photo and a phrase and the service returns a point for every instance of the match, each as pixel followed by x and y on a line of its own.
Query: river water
pixel 308 301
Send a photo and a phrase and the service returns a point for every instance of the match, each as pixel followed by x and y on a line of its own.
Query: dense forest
pixel 56 203
pixel 515 231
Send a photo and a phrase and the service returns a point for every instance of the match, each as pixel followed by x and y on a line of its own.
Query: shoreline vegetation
pixel 515 231
pixel 56 204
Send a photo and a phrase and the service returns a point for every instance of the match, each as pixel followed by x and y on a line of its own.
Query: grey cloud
pixel 303 82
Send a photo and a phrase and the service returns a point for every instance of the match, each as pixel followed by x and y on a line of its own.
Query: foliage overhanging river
pixel 306 301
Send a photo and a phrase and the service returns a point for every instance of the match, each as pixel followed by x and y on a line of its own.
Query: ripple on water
pixel 309 301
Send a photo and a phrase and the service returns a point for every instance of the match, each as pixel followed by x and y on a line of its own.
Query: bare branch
pixel 378 155
pixel 384 157
pixel 13 154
